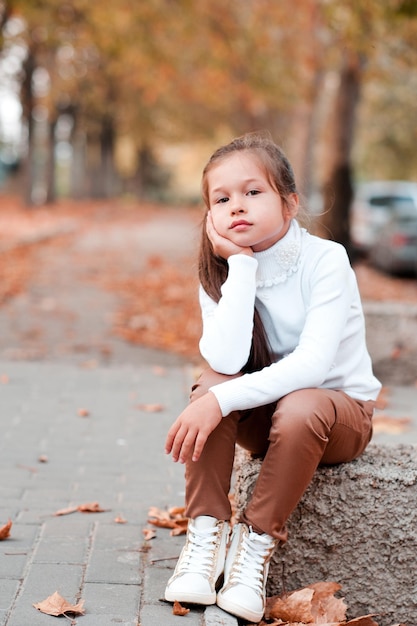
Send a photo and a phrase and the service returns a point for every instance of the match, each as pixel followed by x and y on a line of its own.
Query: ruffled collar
pixel 280 261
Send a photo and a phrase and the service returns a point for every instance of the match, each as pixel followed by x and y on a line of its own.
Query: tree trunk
pixel 51 164
pixel 338 186
pixel 27 100
pixel 107 170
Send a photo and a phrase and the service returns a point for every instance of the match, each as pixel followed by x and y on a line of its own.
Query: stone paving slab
pixel 113 456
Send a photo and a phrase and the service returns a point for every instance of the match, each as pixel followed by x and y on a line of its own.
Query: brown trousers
pixel 303 430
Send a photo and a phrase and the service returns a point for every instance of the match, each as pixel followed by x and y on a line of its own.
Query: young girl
pixel 289 374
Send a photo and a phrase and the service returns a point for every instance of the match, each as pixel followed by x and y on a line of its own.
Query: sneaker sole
pixel 238 610
pixel 192 598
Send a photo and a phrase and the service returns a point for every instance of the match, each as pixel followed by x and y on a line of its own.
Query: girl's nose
pixel 236 207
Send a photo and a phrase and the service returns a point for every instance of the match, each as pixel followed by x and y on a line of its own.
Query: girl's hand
pixel 188 434
pixel 222 246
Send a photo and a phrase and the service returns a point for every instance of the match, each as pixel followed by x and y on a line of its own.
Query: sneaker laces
pixel 248 568
pixel 199 555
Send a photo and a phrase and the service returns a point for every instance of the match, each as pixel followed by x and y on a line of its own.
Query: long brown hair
pixel 213 270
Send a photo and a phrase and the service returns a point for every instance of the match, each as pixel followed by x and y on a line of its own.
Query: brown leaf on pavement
pixel 173 518
pixel 177 609
pixel 150 408
pixel 314 604
pixel 67 511
pixel 390 424
pixel 5 530
pixel 295 607
pixel 83 412
pixel 57 605
pixel 120 520
pixel 325 606
pixel 149 533
pixel 89 507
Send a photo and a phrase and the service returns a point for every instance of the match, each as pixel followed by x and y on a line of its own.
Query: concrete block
pixel 355 525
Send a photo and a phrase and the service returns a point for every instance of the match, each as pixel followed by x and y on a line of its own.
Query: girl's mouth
pixel 240 225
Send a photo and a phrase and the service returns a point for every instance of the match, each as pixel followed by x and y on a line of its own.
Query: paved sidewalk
pixel 113 456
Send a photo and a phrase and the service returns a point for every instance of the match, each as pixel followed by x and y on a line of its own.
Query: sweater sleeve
pixel 227 325
pixel 329 295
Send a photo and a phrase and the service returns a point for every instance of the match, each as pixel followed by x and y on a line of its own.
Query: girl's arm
pixel 331 350
pixel 227 325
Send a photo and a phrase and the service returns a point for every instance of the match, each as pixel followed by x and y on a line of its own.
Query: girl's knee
pixel 304 410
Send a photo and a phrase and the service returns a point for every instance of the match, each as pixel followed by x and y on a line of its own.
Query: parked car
pixel 394 249
pixel 373 205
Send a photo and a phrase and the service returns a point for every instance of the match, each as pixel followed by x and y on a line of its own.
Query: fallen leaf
pixel 67 511
pixel 173 518
pixel 83 412
pixel 325 606
pixel 150 408
pixel 5 530
pixel 91 507
pixel 389 424
pixel 365 620
pixel 4 379
pixel 177 609
pixel 294 607
pixel 314 604
pixel 149 533
pixel 120 520
pixel 43 458
pixel 57 605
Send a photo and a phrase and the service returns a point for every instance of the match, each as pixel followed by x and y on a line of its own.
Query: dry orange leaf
pixel 365 620
pixel 325 606
pixel 67 511
pixel 5 530
pixel 83 412
pixel 177 609
pixel 314 604
pixel 43 458
pixel 120 520
pixel 389 424
pixel 57 605
pixel 295 607
pixel 90 507
pixel 173 519
pixel 149 533
pixel 150 408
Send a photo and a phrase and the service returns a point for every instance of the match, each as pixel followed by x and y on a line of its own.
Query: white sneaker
pixel 201 562
pixel 245 574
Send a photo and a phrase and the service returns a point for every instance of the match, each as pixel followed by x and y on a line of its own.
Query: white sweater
pixel 307 295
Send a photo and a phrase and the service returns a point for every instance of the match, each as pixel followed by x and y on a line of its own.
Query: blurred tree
pixel 128 76
pixel 356 56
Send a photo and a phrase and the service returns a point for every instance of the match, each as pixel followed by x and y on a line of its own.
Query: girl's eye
pixel 253 192
pixel 222 200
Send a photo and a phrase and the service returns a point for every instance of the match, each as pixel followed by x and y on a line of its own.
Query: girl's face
pixel 244 206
